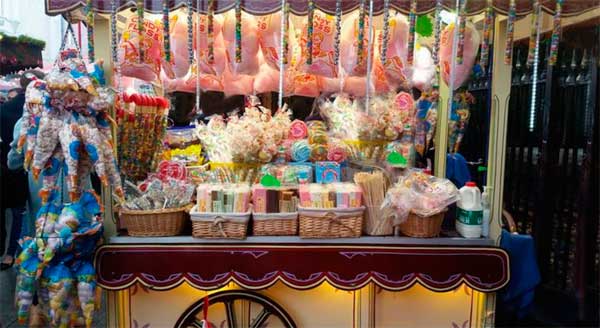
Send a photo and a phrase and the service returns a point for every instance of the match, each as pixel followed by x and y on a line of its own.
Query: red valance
pixel 300 266
pixel 262 7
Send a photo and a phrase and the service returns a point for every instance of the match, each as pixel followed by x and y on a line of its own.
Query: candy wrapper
pixel 420 193
pixel 150 43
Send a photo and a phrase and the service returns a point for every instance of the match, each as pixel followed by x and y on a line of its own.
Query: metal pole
pixel 369 57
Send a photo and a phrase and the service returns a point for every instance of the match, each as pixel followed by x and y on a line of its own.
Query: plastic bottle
pixel 469 213
pixel 485 203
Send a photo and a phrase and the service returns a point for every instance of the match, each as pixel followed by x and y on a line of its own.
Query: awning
pixel 19 53
pixel 262 7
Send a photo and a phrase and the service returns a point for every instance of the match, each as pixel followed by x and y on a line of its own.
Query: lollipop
pixel 318 152
pixel 298 130
pixel 336 153
pixel 301 151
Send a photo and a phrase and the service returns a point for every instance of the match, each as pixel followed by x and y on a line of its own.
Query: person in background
pixel 13 184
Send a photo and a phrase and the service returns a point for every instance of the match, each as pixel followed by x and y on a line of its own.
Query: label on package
pixel 469 217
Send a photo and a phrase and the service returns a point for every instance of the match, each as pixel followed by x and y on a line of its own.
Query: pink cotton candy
pixel 330 85
pixel 349 46
pixel 179 65
pixel 355 86
pixel 267 80
pixel 395 67
pixel 249 60
pixel 471 46
pixel 237 84
pixel 306 85
pixel 323 49
pixel 151 44
pixel 269 37
pixel 219 57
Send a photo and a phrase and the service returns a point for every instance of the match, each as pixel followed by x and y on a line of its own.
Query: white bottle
pixel 469 213
pixel 485 203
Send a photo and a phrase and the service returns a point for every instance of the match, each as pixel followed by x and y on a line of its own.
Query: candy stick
pixel 488 25
pixel 361 34
pixel 90 30
pixel 238 31
pixel 190 35
pixel 386 31
pixel 210 32
pixel 510 32
pixel 309 31
pixel 436 43
pixel 140 27
pixel 535 21
pixel 166 30
pixel 338 31
pixel 556 33
pixel 461 32
pixel 412 17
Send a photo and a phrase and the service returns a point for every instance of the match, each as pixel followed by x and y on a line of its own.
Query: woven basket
pixel 154 223
pixel 219 225
pixel 423 226
pixel 275 224
pixel 331 223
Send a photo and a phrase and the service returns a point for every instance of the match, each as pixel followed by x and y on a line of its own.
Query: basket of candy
pixel 275 211
pixel 418 203
pixel 221 211
pixel 157 206
pixel 330 211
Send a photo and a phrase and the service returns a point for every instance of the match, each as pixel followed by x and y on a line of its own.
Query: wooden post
pixel 501 77
pixel 102 36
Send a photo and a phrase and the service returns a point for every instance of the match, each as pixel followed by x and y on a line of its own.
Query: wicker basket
pixel 153 223
pixel 423 226
pixel 330 223
pixel 219 225
pixel 275 224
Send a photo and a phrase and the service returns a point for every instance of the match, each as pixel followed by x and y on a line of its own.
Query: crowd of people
pixel 16 197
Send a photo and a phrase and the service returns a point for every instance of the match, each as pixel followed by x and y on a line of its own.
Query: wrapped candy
pixel 28 263
pixel 353 62
pixel 395 67
pixel 459 118
pixel 298 130
pixel 306 85
pixel 300 151
pixel 420 193
pixel 85 275
pixel 269 37
pixel 471 46
pixel 425 120
pixel 323 47
pixel 59 282
pixel 150 45
pixel 337 152
pixel 249 44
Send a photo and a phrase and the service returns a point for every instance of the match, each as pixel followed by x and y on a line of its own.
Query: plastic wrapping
pixel 420 193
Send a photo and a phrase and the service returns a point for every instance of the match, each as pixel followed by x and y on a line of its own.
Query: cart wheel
pixel 236 308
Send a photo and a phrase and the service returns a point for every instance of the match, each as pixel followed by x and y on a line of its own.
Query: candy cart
pixel 221 275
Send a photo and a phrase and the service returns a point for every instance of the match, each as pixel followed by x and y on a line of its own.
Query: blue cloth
pixel 524 272
pixel 457 170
